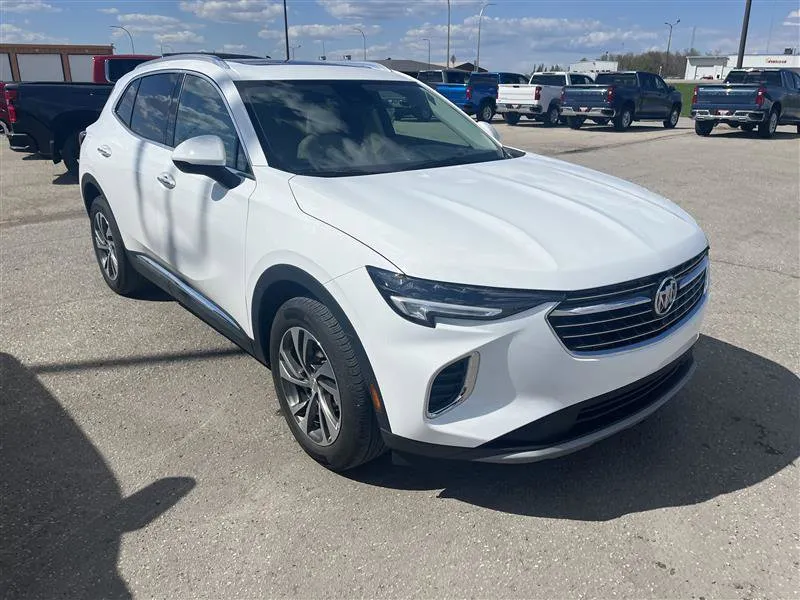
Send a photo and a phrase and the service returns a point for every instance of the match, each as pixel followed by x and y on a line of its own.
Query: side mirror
pixel 205 155
pixel 489 130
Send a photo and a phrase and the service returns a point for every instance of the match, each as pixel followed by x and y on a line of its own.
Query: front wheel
pixel 322 387
pixel 511 118
pixel 672 120
pixel 623 120
pixel 485 112
pixel 601 121
pixel 575 122
pixel 748 127
pixel 703 128
pixel 766 129
pixel 552 116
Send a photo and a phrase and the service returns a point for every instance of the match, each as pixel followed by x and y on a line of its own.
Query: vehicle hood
pixel 529 222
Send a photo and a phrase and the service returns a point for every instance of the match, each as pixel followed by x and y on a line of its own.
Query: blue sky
pixel 515 34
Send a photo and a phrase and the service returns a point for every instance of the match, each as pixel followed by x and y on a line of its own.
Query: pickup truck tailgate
pixel 728 95
pixel 455 92
pixel 516 94
pixel 584 95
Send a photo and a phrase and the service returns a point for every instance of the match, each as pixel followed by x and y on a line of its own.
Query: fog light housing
pixel 452 385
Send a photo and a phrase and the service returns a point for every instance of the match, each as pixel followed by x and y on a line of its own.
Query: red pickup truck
pixel 110 67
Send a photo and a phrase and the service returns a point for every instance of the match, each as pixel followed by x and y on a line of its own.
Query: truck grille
pixel 622 315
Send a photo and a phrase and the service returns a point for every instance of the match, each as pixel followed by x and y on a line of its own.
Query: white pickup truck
pixel 540 99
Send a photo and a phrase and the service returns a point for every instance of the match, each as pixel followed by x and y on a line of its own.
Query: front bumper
pixel 588 112
pixel 729 115
pixel 21 142
pixel 523 109
pixel 525 375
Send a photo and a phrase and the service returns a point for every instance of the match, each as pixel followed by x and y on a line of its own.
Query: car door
pixel 205 221
pixel 793 94
pixel 648 106
pixel 663 103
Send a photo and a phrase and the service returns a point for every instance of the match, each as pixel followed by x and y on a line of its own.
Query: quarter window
pixel 125 105
pixel 153 101
pixel 202 111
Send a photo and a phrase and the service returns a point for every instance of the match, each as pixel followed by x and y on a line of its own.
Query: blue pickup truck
pixel 474 93
pixel 762 98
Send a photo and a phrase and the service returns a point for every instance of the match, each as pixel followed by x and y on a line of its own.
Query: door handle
pixel 104 151
pixel 167 180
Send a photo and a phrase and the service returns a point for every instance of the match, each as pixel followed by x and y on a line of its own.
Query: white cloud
pixel 792 23
pixel 233 47
pixel 270 34
pixel 108 11
pixel 228 11
pixel 388 9
pixel 795 14
pixel 329 32
pixel 11 34
pixel 179 37
pixel 21 6
pixel 147 19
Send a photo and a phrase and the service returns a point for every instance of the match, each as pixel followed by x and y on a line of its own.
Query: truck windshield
pixel 766 77
pixel 625 79
pixel 341 127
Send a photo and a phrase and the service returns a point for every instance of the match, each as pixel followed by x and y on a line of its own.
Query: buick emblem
pixel 665 296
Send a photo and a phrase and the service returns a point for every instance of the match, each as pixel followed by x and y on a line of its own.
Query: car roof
pixel 256 69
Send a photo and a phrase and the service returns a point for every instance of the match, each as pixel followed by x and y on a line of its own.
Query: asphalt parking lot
pixel 141 454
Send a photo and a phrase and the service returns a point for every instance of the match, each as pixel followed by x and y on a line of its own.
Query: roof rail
pixel 316 63
pixel 212 58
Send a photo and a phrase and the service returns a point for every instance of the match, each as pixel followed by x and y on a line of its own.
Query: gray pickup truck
pixel 750 99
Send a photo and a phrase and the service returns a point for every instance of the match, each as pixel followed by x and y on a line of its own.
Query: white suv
pixel 411 282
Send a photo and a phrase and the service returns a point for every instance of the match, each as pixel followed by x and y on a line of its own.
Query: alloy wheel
pixel 673 118
pixel 626 119
pixel 310 387
pixel 486 113
pixel 105 246
pixel 554 116
pixel 773 122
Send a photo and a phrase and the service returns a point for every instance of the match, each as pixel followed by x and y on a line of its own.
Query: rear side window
pixel 151 109
pixel 430 76
pixel 124 108
pixel 457 77
pixel 202 111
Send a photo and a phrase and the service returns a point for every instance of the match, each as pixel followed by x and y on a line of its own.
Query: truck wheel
pixel 623 120
pixel 485 112
pixel 672 120
pixel 575 122
pixel 747 127
pixel 511 118
pixel 703 128
pixel 601 121
pixel 70 153
pixel 552 116
pixel 766 129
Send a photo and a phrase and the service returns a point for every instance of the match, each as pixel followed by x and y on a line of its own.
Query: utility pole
pixel 295 48
pixel 743 38
pixel 130 37
pixel 286 28
pixel 480 20
pixel 429 51
pixel 669 41
pixel 447 58
pixel 364 37
pixel 694 31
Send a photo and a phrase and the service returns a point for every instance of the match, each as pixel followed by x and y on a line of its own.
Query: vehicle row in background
pixel 750 99
pixel 538 98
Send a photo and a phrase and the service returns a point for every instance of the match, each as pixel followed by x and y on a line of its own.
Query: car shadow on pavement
pixel 753 135
pixel 733 426
pixel 66 178
pixel 62 514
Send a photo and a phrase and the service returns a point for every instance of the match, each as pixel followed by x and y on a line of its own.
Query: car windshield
pixel 342 127
pixel 767 77
pixel 625 79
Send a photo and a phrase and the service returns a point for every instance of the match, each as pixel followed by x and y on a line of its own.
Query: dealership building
pixel 717 67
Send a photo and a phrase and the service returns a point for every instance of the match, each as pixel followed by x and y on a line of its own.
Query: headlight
pixel 423 300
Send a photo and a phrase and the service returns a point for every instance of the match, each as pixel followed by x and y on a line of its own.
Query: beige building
pixel 48 62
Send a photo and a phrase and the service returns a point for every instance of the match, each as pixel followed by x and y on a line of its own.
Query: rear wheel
pixel 485 112
pixel 70 153
pixel 703 128
pixel 623 120
pixel 747 127
pixel 112 258
pixel 602 121
pixel 575 122
pixel 672 120
pixel 321 386
pixel 511 118
pixel 552 116
pixel 766 129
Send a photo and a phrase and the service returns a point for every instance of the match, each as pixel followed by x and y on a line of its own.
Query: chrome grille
pixel 622 315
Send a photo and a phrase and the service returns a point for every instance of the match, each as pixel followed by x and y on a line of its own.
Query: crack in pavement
pixel 33 219
pixel 619 145
pixel 744 266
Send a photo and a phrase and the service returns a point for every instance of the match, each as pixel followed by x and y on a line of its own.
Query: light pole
pixel 130 37
pixel 743 38
pixel 480 20
pixel 286 28
pixel 293 48
pixel 324 56
pixel 162 48
pixel 447 58
pixel 429 51
pixel 669 41
pixel 365 41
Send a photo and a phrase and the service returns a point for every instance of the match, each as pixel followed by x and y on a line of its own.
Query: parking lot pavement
pixel 141 453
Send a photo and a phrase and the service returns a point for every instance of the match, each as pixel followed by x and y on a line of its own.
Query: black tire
pixel 359 439
pixel 575 122
pixel 748 127
pixel 798 128
pixel 127 281
pixel 601 121
pixel 485 112
pixel 624 119
pixel 703 128
pixel 511 118
pixel 672 119
pixel 552 117
pixel 733 125
pixel 766 129
pixel 70 152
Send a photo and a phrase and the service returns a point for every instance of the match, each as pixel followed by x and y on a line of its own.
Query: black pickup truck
pixel 622 98
pixel 49 116
pixel 762 98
